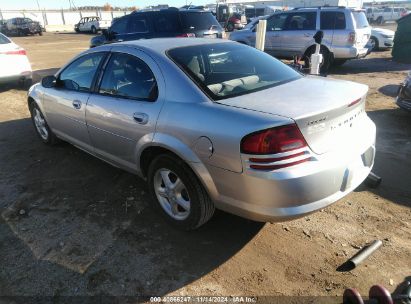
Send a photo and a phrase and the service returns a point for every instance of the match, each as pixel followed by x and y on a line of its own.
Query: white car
pixel 91 24
pixel 15 66
pixel 381 39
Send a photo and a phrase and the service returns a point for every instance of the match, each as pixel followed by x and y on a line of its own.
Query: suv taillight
pixel 272 141
pixel 186 35
pixel 352 37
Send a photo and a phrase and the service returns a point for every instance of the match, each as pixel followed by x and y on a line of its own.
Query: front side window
pixel 225 70
pixel 332 21
pixel 120 26
pixel 129 77
pixel 301 21
pixel 276 22
pixel 79 75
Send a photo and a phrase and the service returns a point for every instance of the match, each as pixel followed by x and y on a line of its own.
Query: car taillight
pixel 16 52
pixel 352 37
pixel 186 35
pixel 273 141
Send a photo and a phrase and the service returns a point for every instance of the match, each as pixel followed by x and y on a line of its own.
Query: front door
pixel 65 104
pixel 125 109
pixel 298 33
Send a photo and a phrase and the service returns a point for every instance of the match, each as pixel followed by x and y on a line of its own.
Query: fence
pixel 59 17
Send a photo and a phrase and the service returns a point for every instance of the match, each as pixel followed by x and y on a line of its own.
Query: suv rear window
pixel 224 70
pixel 167 23
pixel 332 21
pixel 198 21
pixel 360 19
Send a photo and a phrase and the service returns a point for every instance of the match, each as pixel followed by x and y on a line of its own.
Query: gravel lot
pixel 72 225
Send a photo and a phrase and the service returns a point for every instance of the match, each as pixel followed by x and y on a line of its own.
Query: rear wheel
pixel 179 195
pixel 40 125
pixel 93 30
pixel 41 33
pixel 380 20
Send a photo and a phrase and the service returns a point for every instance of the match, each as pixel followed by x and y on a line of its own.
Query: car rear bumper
pixel 350 52
pixel 295 191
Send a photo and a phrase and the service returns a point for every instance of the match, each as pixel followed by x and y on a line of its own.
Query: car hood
pixel 382 31
pixel 307 96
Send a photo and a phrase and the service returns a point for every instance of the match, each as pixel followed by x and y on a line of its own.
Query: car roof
pixel 161 45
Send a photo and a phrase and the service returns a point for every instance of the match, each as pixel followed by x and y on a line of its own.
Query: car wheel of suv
pixel 179 195
pixel 374 43
pixel 380 20
pixel 41 33
pixel 327 58
pixel 40 125
pixel 93 30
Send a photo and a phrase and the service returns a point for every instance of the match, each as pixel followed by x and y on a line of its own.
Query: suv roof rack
pixel 319 7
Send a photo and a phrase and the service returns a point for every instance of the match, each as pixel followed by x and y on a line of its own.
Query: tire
pixel 380 20
pixel 327 59
pixel 339 62
pixel 230 27
pixel 25 84
pixel 93 30
pixel 374 43
pixel 47 136
pixel 41 33
pixel 198 207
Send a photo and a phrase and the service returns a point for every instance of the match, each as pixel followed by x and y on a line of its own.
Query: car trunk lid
pixel 327 111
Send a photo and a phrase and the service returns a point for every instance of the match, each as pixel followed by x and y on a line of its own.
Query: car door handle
pixel 77 104
pixel 141 118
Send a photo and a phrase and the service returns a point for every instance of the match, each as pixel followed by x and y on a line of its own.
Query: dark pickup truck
pixel 21 27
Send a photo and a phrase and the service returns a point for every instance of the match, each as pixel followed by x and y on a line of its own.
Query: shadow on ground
pixel 370 65
pixel 71 224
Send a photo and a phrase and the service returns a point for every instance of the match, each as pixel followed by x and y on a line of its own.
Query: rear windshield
pixel 199 21
pixel 224 70
pixel 360 19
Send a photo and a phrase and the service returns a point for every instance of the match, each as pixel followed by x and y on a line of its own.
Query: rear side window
pixel 166 23
pixel 127 76
pixel 79 75
pixel 199 21
pixel 360 19
pixel 332 21
pixel 301 21
pixel 276 22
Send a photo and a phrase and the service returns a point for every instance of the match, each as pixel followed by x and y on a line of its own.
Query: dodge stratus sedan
pixel 211 124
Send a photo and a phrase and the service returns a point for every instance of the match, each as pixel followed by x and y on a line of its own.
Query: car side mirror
pixel 49 81
pixel 318 37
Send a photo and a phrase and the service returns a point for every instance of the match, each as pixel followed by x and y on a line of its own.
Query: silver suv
pixel 290 33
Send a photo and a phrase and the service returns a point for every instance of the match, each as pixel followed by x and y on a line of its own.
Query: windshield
pixel 224 70
pixel 4 39
pixel 360 19
pixel 199 21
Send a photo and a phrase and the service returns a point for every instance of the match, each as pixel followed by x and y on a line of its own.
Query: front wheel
pixel 93 30
pixel 40 125
pixel 178 194
pixel 374 43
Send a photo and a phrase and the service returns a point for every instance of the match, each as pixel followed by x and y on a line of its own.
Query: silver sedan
pixel 211 124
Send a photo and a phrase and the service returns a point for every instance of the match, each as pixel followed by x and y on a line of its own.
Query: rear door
pixel 362 29
pixel 333 24
pixel 65 104
pixel 299 29
pixel 126 106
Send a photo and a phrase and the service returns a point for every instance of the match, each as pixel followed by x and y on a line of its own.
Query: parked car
pixel 381 38
pixel 15 66
pixel 243 132
pixel 404 94
pixel 163 23
pixel 290 33
pixel 22 27
pixel 91 24
pixel 384 14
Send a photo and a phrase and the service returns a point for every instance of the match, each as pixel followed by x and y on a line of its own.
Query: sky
pixel 58 4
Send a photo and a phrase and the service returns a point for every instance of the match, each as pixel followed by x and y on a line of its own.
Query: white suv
pixel 290 33
pixel 91 24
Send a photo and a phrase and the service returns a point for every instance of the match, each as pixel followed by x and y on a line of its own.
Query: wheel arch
pixel 166 144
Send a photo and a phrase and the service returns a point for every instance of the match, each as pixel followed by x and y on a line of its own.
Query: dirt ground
pixel 72 225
